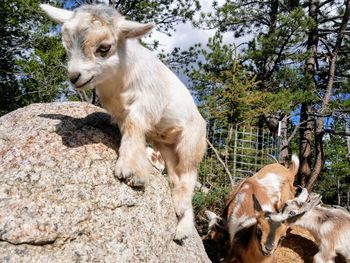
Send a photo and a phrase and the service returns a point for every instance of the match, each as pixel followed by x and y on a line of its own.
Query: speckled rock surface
pixel 59 200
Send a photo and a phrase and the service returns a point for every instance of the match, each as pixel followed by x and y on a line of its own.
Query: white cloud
pixel 186 35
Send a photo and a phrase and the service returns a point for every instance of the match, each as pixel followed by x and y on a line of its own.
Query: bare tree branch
pixel 342 133
pixel 222 162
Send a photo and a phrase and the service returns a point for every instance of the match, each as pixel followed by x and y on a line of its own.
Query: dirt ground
pixel 299 247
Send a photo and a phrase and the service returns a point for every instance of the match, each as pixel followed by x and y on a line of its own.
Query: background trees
pixel 295 50
pixel 28 61
pixel 291 67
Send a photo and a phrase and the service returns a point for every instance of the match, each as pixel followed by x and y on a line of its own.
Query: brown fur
pixel 93 39
pixel 250 186
pixel 247 246
pixel 251 250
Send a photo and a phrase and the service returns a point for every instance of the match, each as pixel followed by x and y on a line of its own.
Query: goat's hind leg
pixel 182 196
pixel 182 185
pixel 190 151
pixel 171 161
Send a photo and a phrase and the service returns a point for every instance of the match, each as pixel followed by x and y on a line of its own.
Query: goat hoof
pixel 180 236
pixel 121 171
pixel 179 242
pixel 137 181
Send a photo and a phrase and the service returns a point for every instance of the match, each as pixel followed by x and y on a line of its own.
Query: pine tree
pixel 30 69
pixel 293 52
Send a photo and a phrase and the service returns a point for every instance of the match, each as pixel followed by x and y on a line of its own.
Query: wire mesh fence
pixel 235 152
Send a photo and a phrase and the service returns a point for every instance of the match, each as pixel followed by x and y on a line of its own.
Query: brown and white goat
pixel 329 226
pixel 258 241
pixel 144 97
pixel 272 186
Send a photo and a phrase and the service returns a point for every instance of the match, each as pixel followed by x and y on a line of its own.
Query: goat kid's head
pixel 270 228
pixel 303 203
pixel 218 237
pixel 217 229
pixel 92 36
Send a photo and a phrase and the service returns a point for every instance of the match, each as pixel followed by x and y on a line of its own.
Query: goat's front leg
pixel 132 162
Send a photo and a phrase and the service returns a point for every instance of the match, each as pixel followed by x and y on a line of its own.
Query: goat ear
pixel 313 201
pixel 213 218
pixel 303 196
pixel 293 219
pixel 130 29
pixel 249 222
pixel 58 15
pixel 257 205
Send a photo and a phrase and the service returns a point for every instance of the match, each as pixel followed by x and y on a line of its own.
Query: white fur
pixel 303 196
pixel 267 207
pixel 329 226
pixel 326 228
pixel 272 183
pixel 212 219
pixel 295 161
pixel 57 14
pixel 155 158
pixel 145 99
pixel 248 222
pixel 235 223
pixel 278 217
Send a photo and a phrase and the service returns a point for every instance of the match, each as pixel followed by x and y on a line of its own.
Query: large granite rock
pixel 59 200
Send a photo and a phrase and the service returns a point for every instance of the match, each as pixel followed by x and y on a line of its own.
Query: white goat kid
pixel 143 96
pixel 329 226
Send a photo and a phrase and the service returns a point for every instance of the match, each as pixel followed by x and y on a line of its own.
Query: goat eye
pixel 292 213
pixel 258 232
pixel 103 49
pixel 282 238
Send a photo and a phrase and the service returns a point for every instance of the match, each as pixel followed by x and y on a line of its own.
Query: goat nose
pixel 269 248
pixel 74 77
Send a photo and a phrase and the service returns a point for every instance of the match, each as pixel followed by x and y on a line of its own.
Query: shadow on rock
pixel 94 128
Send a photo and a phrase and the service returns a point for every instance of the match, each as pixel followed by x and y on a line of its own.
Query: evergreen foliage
pixel 31 62
pixel 281 71
pixel 291 50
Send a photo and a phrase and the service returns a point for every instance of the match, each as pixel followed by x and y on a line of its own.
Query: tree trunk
pixel 320 121
pixel 306 120
pixel 347 130
pixel 284 153
pixel 305 143
pixel 338 192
